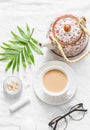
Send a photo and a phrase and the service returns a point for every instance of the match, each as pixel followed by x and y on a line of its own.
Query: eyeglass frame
pixel 58 118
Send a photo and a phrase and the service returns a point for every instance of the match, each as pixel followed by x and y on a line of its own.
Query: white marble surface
pixel 39 14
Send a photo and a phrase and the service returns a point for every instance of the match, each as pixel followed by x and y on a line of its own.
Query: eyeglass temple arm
pixel 84 110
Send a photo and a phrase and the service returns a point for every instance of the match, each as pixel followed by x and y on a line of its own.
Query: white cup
pixel 55 98
pixel 55 94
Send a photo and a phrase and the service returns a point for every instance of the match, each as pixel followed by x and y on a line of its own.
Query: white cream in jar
pixel 12 86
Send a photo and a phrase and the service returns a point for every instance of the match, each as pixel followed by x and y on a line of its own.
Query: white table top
pixel 39 14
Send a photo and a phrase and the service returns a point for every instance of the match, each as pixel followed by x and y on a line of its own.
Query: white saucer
pixel 40 92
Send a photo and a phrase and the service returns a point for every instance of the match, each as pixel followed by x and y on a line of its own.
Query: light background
pixel 39 14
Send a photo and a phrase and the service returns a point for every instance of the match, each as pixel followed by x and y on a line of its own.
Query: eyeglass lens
pixel 77 114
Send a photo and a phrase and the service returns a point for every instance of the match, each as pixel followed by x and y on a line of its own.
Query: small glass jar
pixel 12 86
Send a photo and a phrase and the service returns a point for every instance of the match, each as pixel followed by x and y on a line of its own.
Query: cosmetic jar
pixel 12 86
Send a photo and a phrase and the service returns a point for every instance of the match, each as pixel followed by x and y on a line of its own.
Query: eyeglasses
pixel 76 113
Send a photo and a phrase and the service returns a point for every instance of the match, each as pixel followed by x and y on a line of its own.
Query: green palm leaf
pixel 22 33
pixel 8 56
pixel 4 59
pixel 28 30
pixel 34 40
pixel 18 62
pixel 20 50
pixel 27 56
pixel 30 54
pixel 18 38
pixel 9 65
pixel 14 64
pixel 17 43
pixel 6 45
pixel 35 48
pixel 23 59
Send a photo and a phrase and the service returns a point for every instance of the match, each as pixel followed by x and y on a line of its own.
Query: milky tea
pixel 55 80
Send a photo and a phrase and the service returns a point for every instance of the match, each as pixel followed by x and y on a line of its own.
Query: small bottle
pixel 12 87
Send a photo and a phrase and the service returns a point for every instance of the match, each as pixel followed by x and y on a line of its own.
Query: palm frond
pixel 20 50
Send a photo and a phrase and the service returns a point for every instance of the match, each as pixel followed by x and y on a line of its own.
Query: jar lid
pixel 66 29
